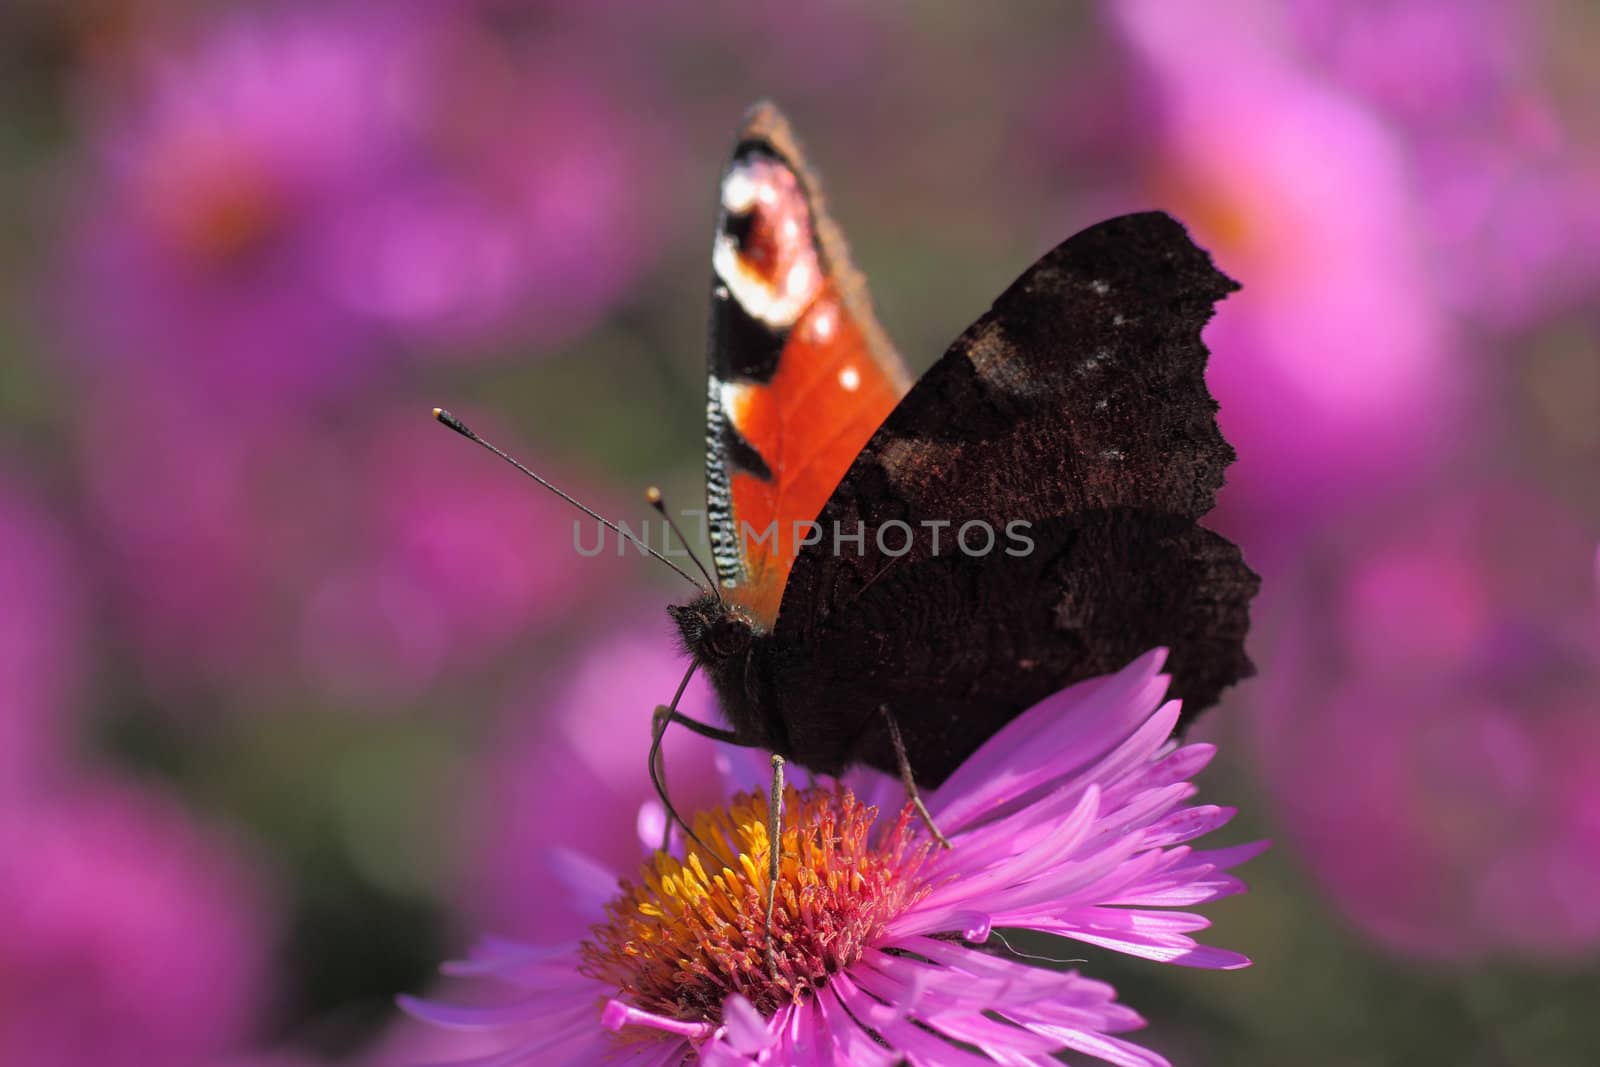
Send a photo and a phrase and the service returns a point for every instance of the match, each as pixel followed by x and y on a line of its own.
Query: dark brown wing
pixel 1077 406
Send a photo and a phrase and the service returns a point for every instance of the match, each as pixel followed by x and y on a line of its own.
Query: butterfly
pixel 932 558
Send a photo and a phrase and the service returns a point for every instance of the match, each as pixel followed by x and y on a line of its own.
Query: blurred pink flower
pixel 1425 62
pixel 447 558
pixel 408 1042
pixel 298 196
pixel 1507 180
pixel 367 560
pixel 131 936
pixel 1334 367
pixel 569 767
pixel 41 637
pixel 1470 829
pixel 1071 822
pixel 1516 224
pixel 289 1058
pixel 1432 728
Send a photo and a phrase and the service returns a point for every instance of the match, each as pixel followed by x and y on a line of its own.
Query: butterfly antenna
pixel 652 496
pixel 466 431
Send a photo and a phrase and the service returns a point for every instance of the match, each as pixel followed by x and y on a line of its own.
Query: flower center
pixel 1217 213
pixel 214 203
pixel 695 930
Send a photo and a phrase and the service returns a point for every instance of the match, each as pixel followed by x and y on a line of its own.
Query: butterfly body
pixel 1023 517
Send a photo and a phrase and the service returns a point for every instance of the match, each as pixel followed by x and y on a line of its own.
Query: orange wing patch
pixel 809 422
pixel 801 372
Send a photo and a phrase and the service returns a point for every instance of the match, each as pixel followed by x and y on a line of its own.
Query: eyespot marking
pixel 764 253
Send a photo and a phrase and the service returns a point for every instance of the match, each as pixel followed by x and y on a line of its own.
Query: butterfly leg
pixel 907 778
pixel 774 857
pixel 665 716
pixel 715 733
pixel 658 777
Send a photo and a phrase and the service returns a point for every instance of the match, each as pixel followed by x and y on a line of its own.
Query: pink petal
pixel 1179 766
pixel 1163 949
pixel 541 1010
pixel 1145 806
pixel 508 960
pixel 993 1036
pixel 1225 858
pixel 1093 716
pixel 803 1040
pixel 1188 824
pixel 852 1045
pixel 747 1031
pixel 589 883
pixel 1111 1049
pixel 975 887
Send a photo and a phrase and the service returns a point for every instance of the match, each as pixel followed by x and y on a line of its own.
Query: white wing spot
pixel 799 281
pixel 776 292
pixel 1092 363
pixel 736 401
pixel 1100 288
pixel 1111 453
pixel 1118 320
pixel 738 191
pixel 772 307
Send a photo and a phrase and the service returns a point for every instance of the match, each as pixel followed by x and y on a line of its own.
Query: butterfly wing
pixel 801 374
pixel 1078 407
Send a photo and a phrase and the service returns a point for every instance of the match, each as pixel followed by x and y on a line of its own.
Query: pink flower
pixel 131 936
pixel 1391 52
pixel 1470 832
pixel 291 200
pixel 1450 656
pixel 444 559
pixel 41 634
pixel 591 741
pixel 1071 822
pixel 1336 370
pixel 367 560
pixel 1507 179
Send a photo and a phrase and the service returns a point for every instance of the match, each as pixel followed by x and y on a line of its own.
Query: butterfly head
pixel 713 630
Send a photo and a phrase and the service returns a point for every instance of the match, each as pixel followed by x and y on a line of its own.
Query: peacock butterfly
pixel 1068 432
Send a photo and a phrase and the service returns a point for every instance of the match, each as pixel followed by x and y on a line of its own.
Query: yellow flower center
pixel 695 930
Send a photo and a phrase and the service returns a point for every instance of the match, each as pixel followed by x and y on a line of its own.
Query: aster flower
pixel 1388 51
pixel 1508 178
pixel 1339 375
pixel 1071 822
pixel 133 936
pixel 41 635
pixel 1451 656
pixel 290 199
pixel 584 741
pixel 364 560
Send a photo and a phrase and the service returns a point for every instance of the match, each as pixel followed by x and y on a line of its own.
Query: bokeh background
pixel 297 689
